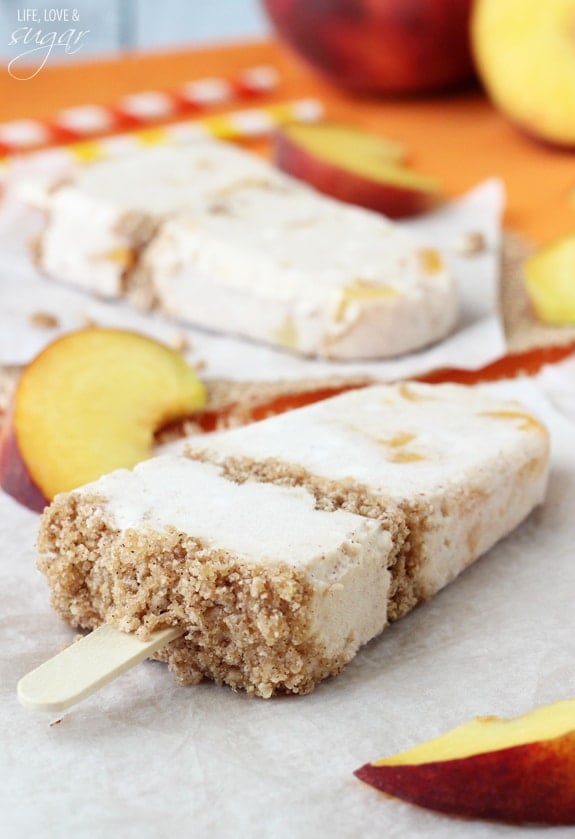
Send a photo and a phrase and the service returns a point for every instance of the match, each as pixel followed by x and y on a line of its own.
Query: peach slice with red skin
pixel 520 771
pixel 90 403
pixel 354 166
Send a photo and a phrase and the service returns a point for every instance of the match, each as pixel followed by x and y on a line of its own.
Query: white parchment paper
pixel 145 758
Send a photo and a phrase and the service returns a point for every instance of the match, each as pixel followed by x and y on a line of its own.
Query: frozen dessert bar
pixel 284 546
pixel 461 468
pixel 268 604
pixel 219 238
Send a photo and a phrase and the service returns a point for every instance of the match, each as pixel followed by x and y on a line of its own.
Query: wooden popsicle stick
pixel 87 665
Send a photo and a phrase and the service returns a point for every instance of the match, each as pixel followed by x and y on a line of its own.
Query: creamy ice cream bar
pixel 219 238
pixel 462 468
pixel 275 593
pixel 284 546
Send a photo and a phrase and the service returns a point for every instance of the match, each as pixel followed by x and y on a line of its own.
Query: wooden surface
pixel 460 139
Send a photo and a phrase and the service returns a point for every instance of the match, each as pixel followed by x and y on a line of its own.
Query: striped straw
pixel 137 110
pixel 233 125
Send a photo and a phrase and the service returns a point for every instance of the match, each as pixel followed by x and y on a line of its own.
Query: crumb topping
pixel 251 624
pixel 248 626
pixel 44 320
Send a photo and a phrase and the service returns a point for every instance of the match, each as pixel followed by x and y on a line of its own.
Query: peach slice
pixel 352 165
pixel 520 770
pixel 90 403
pixel 550 282
pixel 526 59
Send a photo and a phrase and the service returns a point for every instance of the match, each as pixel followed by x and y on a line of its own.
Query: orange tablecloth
pixel 461 139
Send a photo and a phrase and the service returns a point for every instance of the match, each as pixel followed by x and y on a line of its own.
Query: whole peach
pixel 393 47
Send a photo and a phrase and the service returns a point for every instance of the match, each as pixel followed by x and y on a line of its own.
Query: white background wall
pixel 139 24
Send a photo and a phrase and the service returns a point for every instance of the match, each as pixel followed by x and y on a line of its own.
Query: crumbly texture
pixel 246 394
pixel 232 403
pixel 247 624
pixel 404 523
pixel 43 320
pixel 138 229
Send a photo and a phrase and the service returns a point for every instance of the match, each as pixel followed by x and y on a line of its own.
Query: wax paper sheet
pixel 147 758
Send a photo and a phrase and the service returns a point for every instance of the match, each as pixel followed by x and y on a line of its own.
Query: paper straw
pixel 234 125
pixel 138 110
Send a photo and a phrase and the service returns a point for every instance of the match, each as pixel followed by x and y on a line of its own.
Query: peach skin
pixel 90 403
pixel 520 771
